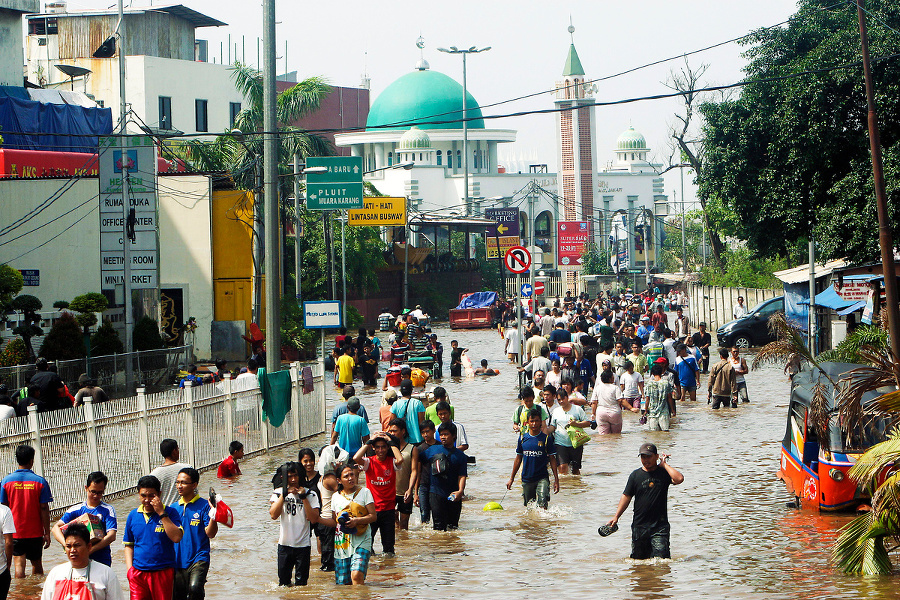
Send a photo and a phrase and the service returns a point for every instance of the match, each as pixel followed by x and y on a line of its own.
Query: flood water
pixel 732 532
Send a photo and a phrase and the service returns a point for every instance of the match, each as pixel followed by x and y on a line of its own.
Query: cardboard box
pixel 94 524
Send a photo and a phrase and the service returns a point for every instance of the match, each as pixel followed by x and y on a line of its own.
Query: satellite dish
pixel 107 49
pixel 73 71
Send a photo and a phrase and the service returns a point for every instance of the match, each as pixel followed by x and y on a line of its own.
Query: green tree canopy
pixel 11 282
pixel 790 152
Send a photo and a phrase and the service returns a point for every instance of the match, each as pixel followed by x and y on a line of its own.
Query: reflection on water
pixel 732 533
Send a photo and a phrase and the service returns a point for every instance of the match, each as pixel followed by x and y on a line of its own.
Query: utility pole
pixel 812 293
pixel 126 208
pixel 531 200
pixel 297 256
pixel 683 239
pixel 270 183
pixel 884 221
pixel 343 218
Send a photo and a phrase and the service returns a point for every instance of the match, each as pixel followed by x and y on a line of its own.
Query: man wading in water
pixel 649 487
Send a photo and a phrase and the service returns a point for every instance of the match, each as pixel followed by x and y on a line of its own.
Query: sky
pixel 529 41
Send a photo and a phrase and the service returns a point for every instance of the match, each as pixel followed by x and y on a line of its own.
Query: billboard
pixel 507 220
pixel 571 239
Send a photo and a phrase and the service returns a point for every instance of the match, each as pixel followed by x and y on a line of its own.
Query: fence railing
pixel 554 287
pixel 151 369
pixel 715 305
pixel 121 437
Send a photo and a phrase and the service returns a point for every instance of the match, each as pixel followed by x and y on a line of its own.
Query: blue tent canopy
pixel 478 300
pixel 830 299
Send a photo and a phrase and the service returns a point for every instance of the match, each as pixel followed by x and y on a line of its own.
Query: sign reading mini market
pixel 337 188
pixel 379 211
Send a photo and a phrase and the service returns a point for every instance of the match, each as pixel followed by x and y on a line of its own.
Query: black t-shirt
pixel 49 382
pixel 702 339
pixel 649 491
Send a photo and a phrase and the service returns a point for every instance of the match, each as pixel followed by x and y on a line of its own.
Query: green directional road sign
pixel 337 188
pixel 334 196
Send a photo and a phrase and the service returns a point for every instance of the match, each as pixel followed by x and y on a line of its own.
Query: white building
pixel 11 62
pixel 168 83
pixel 416 119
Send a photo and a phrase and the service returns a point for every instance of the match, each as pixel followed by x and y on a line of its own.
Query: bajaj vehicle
pixel 817 475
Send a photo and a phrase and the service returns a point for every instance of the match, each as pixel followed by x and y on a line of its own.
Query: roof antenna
pixel 422 65
pixel 366 81
pixel 571 30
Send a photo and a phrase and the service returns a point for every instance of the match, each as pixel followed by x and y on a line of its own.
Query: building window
pixel 390 159
pixel 202 124
pixel 233 109
pixel 459 160
pixel 439 159
pixel 165 112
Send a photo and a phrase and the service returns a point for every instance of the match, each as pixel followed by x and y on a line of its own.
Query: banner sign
pixel 571 238
pixel 322 315
pixel 379 211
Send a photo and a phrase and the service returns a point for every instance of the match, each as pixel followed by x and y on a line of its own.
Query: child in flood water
pixel 353 509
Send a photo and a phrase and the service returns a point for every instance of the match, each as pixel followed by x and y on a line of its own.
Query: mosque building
pixel 416 123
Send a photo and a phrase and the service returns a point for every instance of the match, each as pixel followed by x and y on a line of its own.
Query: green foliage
pixel 60 305
pixel 65 340
pixel 595 261
pixel 293 335
pixel 355 320
pixel 848 350
pixel 26 303
pixel 106 340
pixel 790 155
pixel 15 353
pixel 743 270
pixel 671 256
pixel 87 305
pixel 146 335
pixel 11 282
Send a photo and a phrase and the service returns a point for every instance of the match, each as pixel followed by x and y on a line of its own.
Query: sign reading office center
pixel 322 315
pixel 135 168
pixel 517 259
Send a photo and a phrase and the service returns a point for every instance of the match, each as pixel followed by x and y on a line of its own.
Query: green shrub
pixel 146 335
pixel 106 340
pixel 14 354
pixel 65 340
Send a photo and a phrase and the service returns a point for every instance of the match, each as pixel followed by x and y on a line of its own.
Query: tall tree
pixel 782 156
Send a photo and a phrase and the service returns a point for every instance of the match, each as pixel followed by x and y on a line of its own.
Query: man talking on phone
pixel 649 487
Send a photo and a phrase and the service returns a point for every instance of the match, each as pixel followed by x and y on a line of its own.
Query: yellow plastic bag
pixel 577 436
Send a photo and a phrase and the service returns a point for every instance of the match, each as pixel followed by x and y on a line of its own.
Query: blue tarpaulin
pixel 25 124
pixel 830 299
pixel 478 300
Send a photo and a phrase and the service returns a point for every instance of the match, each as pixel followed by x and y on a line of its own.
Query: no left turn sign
pixel 517 259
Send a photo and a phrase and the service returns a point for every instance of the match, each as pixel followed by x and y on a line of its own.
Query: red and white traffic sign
pixel 538 288
pixel 517 259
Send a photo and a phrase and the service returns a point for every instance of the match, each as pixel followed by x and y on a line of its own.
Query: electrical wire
pixel 89 213
pixel 21 235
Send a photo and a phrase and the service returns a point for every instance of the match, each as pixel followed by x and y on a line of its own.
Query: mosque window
pixel 449 159
pixel 390 158
pixel 458 158
pixel 632 156
pixel 439 158
pixel 420 156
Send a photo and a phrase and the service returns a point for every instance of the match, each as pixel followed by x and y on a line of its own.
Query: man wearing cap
pixel 649 487
pixel 643 332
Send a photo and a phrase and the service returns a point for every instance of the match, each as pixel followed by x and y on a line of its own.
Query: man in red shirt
pixel 229 466
pixel 659 317
pixel 381 479
pixel 28 495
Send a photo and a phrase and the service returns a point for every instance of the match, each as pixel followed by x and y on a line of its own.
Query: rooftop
pixel 176 10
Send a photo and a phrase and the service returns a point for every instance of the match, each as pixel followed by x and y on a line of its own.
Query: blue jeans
pixel 651 541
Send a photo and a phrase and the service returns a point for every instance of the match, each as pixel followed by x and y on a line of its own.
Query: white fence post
pixel 143 434
pixel 263 424
pixel 295 397
pixel 90 432
pixel 189 428
pixel 227 404
pixel 36 439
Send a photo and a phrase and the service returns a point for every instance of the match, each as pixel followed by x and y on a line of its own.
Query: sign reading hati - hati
pixel 139 162
pixel 379 211
pixel 322 315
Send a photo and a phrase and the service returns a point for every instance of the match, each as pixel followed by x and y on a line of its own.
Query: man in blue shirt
pixel 192 552
pixel 447 466
pixel 341 409
pixel 93 505
pixel 644 331
pixel 687 370
pixel 560 334
pixel 151 532
pixel 350 430
pixel 534 452
pixel 411 410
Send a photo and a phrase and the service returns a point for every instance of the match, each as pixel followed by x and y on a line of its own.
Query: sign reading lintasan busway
pixel 139 160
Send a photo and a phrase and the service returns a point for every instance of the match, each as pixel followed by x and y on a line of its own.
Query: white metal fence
pixel 121 437
pixel 714 305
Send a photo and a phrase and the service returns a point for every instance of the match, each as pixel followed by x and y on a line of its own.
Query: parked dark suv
pixel 752 329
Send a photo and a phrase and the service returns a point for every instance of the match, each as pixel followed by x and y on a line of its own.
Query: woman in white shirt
pixel 607 403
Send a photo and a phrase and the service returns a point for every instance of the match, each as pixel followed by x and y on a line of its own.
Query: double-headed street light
pixel 465 52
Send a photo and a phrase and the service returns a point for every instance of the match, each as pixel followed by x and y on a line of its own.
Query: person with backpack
pixel 448 468
pixel 520 416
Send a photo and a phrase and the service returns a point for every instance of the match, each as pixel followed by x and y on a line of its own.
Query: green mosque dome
pixel 631 140
pixel 415 139
pixel 421 96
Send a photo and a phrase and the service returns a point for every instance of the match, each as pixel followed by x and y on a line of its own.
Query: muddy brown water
pixel 732 533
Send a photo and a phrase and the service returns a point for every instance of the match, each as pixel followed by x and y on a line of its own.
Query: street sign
pixel 539 288
pixel 338 187
pixel 526 290
pixel 322 315
pixel 507 220
pixel 30 277
pixel 505 244
pixel 571 238
pixel 517 259
pixel 379 211
pixel 139 159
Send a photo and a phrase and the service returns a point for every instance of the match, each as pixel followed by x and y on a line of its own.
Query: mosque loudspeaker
pixel 107 49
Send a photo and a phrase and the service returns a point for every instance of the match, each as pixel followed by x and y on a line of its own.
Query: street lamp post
pixel 465 52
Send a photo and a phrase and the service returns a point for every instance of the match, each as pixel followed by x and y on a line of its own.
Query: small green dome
pixel 422 96
pixel 631 140
pixel 415 139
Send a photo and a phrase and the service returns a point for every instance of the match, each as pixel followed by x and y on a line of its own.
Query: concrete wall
pixel 11 56
pixel 185 246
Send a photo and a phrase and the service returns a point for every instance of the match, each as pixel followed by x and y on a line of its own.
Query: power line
pixel 21 235
pixel 89 213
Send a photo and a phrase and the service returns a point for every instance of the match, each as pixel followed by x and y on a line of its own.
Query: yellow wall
pixel 232 233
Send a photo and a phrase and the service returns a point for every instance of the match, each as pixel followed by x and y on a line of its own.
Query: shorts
pixel 567 455
pixel 689 388
pixel 151 585
pixel 31 548
pixel 405 508
pixel 650 542
pixel 359 562
pixel 634 401
pixel 537 491
pixel 658 423
pixel 725 401
pixel 608 422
